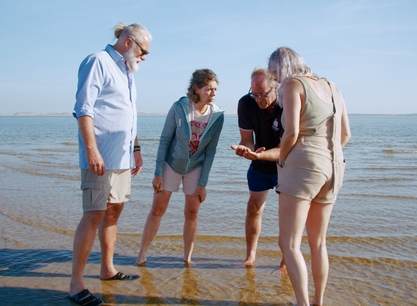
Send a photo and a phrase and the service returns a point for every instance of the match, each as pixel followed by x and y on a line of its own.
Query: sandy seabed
pixel 35 269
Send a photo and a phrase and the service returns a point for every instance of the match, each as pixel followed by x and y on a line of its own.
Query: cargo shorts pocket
pixel 93 194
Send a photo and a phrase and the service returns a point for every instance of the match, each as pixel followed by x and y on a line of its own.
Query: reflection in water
pixel 248 292
pixel 189 292
pixel 108 290
pixel 147 282
pixel 252 291
pixel 111 291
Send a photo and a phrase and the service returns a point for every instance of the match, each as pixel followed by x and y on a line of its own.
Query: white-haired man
pixel 109 152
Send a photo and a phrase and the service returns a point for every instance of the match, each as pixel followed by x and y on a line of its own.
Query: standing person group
pixel 291 120
pixel 110 153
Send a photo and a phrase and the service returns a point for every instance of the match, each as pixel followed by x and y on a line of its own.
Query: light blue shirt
pixel 107 93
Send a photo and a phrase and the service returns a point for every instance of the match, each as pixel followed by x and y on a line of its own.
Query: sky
pixel 367 47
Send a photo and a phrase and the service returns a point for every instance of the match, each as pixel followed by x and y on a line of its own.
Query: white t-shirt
pixel 198 125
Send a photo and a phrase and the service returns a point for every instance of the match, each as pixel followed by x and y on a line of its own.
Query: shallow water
pixel 372 239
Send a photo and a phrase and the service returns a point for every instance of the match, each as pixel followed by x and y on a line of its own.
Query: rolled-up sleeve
pixel 90 85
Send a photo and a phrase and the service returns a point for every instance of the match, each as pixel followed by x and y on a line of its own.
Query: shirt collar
pixel 116 56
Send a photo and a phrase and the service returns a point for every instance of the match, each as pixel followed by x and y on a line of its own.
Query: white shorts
pixel 171 180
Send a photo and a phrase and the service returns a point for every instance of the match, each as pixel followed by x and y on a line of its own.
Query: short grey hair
pixel 135 30
pixel 263 71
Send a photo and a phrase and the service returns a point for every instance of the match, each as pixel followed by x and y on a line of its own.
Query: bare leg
pixel 159 207
pixel 83 242
pixel 292 219
pixel 317 224
pixel 192 206
pixel 107 233
pixel 253 224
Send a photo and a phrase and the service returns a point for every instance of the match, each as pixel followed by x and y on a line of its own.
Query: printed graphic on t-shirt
pixel 197 130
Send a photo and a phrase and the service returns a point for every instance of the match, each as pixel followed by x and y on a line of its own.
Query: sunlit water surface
pixel 372 238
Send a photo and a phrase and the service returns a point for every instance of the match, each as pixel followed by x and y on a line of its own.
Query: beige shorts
pixel 171 180
pixel 318 182
pixel 112 187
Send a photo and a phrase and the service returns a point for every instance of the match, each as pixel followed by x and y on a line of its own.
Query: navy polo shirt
pixel 267 129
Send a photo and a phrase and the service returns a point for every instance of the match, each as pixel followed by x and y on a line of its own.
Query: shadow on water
pixel 206 263
pixel 44 297
pixel 28 296
pixel 18 262
pixel 26 263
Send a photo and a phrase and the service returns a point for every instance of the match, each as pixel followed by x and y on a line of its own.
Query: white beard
pixel 131 60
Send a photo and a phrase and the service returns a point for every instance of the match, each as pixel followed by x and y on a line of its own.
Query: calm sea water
pixel 372 239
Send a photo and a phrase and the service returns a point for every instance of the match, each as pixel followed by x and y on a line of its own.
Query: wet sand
pixel 33 275
pixel 40 276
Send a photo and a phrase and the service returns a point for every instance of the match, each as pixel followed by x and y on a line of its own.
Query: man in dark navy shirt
pixel 260 132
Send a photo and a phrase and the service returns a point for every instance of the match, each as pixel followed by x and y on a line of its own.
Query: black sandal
pixel 85 298
pixel 121 276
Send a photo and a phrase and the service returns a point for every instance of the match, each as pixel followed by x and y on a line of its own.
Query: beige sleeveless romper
pixel 314 168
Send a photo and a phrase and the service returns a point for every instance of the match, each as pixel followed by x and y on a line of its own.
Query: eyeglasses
pixel 260 97
pixel 144 51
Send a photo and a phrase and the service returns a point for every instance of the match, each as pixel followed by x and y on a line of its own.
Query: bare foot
pixel 140 262
pixel 282 270
pixel 189 263
pixel 246 262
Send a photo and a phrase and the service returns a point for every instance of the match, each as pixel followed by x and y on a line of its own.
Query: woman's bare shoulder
pixel 293 84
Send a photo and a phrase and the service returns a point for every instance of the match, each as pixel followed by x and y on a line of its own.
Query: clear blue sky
pixel 368 48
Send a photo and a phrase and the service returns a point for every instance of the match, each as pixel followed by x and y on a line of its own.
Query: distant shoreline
pixel 64 114
pixel 33 114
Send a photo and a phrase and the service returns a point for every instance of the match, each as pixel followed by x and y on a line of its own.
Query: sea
pixel 372 237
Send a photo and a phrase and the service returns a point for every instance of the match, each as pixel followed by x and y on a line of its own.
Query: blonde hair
pixel 134 30
pixel 285 63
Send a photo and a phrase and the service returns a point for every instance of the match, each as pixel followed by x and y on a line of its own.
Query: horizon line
pixel 64 114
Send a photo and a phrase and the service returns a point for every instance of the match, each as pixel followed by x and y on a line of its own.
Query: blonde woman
pixel 310 166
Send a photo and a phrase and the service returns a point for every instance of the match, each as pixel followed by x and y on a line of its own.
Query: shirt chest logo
pixel 275 125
